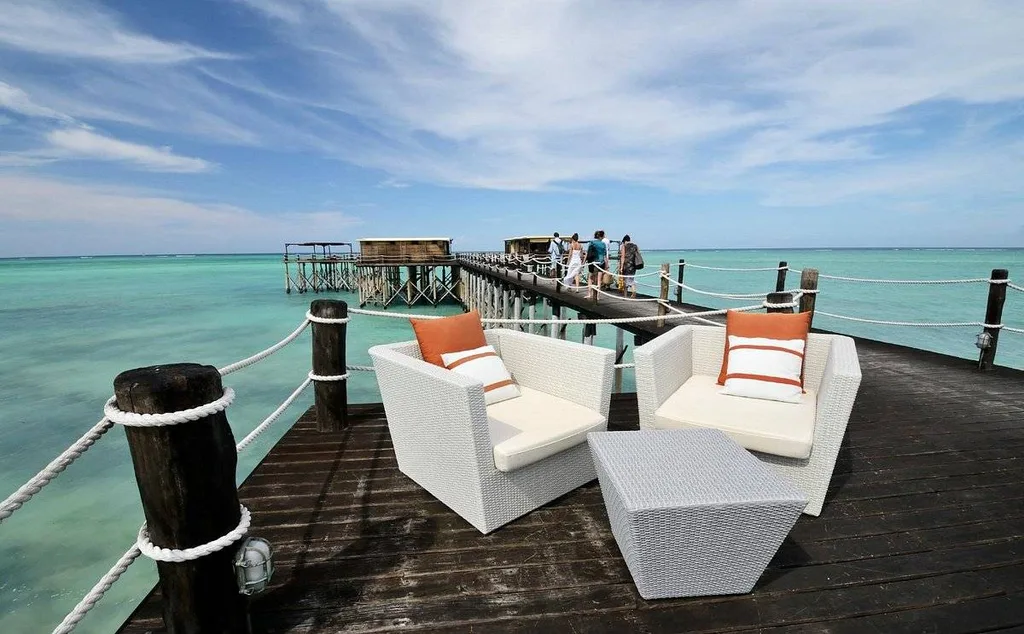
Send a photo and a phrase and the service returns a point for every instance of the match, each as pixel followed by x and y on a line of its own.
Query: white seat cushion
pixel 537 425
pixel 783 429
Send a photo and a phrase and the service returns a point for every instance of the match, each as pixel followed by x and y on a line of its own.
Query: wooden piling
pixel 620 351
pixel 329 360
pixel 780 279
pixel 517 308
pixel 780 298
pixel 662 309
pixel 808 282
pixel 186 478
pixel 994 315
pixel 679 281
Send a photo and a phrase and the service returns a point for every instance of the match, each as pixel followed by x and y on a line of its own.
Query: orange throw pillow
pixel 448 334
pixel 768 326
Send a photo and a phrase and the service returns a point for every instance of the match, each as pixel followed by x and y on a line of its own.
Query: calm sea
pixel 70 325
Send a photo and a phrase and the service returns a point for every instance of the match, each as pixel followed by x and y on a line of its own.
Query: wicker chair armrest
pixel 662 366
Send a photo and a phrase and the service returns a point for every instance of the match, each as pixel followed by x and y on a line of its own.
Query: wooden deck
pixel 921 532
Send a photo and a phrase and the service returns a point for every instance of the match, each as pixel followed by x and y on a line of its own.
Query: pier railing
pixel 199 520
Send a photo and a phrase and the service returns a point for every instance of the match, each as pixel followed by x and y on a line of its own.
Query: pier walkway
pixel 922 530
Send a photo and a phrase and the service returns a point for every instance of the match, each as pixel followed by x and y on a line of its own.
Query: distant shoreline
pixel 87 256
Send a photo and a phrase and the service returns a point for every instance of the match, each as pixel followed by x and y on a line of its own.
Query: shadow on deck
pixel 921 532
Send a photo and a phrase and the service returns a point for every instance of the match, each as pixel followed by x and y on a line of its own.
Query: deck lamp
pixel 254 566
pixel 984 340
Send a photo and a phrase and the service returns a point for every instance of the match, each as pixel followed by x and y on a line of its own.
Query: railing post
pixel 186 479
pixel 679 281
pixel 331 397
pixel 665 268
pixel 780 298
pixel 620 351
pixel 808 282
pixel 780 280
pixel 994 316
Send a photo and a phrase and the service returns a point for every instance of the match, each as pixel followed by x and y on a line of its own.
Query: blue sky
pixel 235 125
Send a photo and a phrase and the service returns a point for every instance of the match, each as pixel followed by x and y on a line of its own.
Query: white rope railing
pixel 919 324
pixel 865 280
pixel 270 420
pixel 18 499
pixel 609 321
pixel 690 265
pixel 1010 284
pixel 263 354
pixel 92 597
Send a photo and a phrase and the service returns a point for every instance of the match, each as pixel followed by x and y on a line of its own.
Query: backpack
pixel 638 260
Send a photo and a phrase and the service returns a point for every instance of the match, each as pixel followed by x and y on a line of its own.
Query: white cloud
pixel 84 31
pixel 16 100
pixel 98 219
pixel 524 96
pixel 85 144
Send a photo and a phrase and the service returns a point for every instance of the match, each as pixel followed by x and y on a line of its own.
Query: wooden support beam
pixel 994 316
pixel 186 478
pixel 679 281
pixel 664 293
pixel 620 351
pixel 780 279
pixel 329 360
pixel 808 282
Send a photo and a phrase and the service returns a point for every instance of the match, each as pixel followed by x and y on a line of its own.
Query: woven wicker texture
pixel 831 368
pixel 438 424
pixel 692 512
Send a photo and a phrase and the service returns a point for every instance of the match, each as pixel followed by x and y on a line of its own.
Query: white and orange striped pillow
pixel 484 364
pixel 764 368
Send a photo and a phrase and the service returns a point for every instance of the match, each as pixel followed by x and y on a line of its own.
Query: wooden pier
pixel 922 529
pixel 314 267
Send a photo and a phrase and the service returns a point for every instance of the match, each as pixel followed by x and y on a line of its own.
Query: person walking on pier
pixel 556 249
pixel 597 258
pixel 630 261
pixel 572 275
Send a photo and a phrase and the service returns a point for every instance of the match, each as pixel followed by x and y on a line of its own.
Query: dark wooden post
pixel 780 298
pixel 331 397
pixel 780 280
pixel 808 282
pixel 186 478
pixel 994 316
pixel 665 269
pixel 679 280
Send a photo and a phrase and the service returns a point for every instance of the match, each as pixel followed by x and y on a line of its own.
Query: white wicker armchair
pixel 831 371
pixel 440 430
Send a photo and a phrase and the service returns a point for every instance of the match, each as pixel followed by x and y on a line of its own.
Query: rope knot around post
pixel 181 555
pixel 192 414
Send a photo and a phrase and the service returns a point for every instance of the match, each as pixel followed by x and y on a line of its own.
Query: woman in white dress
pixel 575 262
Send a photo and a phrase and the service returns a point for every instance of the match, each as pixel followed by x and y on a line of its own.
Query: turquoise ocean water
pixel 68 326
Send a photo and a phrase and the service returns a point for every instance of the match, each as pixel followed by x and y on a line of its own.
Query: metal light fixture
pixel 254 566
pixel 984 340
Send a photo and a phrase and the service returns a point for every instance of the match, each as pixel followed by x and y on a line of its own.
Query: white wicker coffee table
pixel 693 513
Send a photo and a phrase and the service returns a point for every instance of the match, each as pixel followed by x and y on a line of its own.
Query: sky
pixel 224 126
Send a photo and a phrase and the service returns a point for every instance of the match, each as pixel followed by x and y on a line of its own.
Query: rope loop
pixel 157 553
pixel 328 377
pixel 326 320
pixel 131 419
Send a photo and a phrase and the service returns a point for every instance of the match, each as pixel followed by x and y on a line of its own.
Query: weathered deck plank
pixel 922 531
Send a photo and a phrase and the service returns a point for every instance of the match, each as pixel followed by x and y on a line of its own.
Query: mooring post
pixel 780 298
pixel 994 315
pixel 780 279
pixel 589 330
pixel 518 308
pixel 556 313
pixel 808 282
pixel 186 479
pixel 664 293
pixel 679 281
pixel 620 351
pixel 331 397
